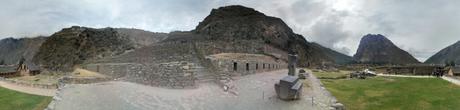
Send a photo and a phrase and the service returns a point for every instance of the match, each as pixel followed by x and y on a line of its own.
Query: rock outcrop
pixel 377 49
pixel 446 55
pixel 233 23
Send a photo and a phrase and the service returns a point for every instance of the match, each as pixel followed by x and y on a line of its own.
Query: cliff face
pixel 446 55
pixel 232 23
pixel 75 45
pixel 12 50
pixel 377 49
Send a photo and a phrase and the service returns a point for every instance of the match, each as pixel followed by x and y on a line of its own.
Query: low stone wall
pixel 335 105
pixel 82 80
pixel 29 84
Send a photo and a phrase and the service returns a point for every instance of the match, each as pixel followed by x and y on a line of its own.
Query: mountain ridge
pixel 446 55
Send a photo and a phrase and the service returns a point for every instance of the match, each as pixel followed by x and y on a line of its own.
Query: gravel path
pixel 29 90
pixel 447 78
pixel 254 92
pixel 451 80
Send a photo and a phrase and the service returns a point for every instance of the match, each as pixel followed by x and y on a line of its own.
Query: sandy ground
pixel 254 92
pixel 29 90
pixel 86 73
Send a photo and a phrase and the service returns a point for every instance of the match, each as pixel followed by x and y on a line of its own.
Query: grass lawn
pixel 13 100
pixel 395 93
pixel 332 75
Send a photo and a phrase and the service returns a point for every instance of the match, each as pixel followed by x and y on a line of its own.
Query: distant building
pixel 22 69
pixel 8 71
pixel 414 70
pixel 28 69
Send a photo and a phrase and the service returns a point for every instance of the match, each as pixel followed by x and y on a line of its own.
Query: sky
pixel 421 27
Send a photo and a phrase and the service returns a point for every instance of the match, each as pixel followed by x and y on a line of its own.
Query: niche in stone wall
pixel 247 66
pixel 257 66
pixel 235 66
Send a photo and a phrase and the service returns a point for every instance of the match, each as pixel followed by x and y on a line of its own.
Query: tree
pixel 452 63
pixel 22 60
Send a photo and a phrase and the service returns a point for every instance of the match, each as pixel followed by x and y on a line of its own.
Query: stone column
pixel 292 62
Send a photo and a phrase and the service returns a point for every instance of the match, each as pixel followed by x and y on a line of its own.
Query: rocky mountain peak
pixel 377 49
pixel 241 23
pixel 233 11
pixel 236 23
pixel 376 38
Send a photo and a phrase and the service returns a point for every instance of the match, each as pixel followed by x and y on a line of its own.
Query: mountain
pixel 232 23
pixel 232 29
pixel 338 58
pixel 448 54
pixel 377 49
pixel 75 45
pixel 12 49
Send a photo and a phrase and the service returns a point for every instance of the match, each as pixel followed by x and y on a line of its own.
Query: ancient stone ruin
pixel 289 87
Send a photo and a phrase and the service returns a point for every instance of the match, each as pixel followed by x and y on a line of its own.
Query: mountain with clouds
pixel 377 49
pixel 229 25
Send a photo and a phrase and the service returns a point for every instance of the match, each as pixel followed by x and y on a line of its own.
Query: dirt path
pixel 254 92
pixel 29 90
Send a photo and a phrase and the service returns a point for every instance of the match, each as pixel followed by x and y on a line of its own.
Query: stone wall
pixel 245 64
pixel 82 80
pixel 163 64
pixel 179 74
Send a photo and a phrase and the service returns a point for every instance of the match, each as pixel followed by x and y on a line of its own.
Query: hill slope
pixel 12 50
pixel 75 45
pixel 377 49
pixel 448 54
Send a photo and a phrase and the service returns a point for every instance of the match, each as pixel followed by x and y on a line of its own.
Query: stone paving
pixel 253 92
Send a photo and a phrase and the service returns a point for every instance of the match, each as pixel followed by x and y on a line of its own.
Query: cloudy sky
pixel 421 27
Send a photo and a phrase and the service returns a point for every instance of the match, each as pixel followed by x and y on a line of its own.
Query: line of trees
pixel 450 63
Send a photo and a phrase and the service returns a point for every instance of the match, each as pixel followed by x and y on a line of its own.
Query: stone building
pixel 8 71
pixel 22 69
pixel 28 69
pixel 414 70
pixel 237 64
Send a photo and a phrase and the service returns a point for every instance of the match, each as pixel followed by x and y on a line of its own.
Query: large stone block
pixel 289 88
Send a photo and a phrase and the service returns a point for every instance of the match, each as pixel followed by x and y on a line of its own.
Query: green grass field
pixel 13 100
pixel 331 75
pixel 394 93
